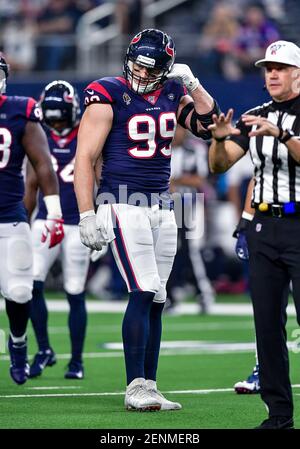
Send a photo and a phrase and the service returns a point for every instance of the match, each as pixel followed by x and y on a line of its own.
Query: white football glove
pixel 89 234
pixel 185 75
pixel 96 255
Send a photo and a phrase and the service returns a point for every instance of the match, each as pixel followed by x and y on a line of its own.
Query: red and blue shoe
pixel 251 385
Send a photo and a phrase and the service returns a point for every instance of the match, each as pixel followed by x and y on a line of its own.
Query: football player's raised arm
pixel 37 149
pixel 196 109
pixel 94 128
pixel 195 112
pixel 31 189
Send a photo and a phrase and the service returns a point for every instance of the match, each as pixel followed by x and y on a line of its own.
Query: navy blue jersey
pixel 15 112
pixel 63 154
pixel 137 150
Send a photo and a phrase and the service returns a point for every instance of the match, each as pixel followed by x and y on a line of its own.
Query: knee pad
pixel 19 258
pixel 161 295
pixel 20 294
pixel 19 281
pixel 74 287
pixel 75 268
pixel 151 283
pixel 40 268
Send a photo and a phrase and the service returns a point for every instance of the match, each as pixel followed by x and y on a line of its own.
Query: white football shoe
pixel 138 398
pixel 157 395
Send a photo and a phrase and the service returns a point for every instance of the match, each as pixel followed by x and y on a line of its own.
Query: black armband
pixel 184 113
pixel 205 120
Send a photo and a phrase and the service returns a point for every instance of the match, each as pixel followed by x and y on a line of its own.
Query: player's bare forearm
pixel 195 112
pixel 94 128
pixel 31 189
pixel 46 178
pixel 84 181
pixel 203 101
pixel 37 149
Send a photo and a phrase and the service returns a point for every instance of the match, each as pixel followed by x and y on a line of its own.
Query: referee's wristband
pixel 280 135
pixel 247 216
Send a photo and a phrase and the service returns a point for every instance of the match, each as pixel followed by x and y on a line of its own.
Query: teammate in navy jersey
pixel 61 114
pixel 130 122
pixel 22 135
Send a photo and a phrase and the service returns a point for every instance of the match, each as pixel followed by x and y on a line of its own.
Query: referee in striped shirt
pixel 271 133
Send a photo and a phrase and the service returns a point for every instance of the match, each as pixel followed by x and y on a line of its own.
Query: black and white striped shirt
pixel 277 174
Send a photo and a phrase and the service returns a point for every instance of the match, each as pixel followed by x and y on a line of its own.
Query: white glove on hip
pixel 184 73
pixel 89 234
pixel 96 255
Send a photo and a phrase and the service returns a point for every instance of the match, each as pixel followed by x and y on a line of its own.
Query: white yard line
pixel 94 306
pixel 118 393
pixel 59 387
pixel 168 327
pixel 171 348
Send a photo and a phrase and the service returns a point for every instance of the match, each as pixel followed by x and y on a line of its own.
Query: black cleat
pixel 19 367
pixel 75 370
pixel 277 422
pixel 40 361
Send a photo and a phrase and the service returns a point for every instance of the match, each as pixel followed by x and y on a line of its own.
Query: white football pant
pixel 75 257
pixel 144 246
pixel 16 262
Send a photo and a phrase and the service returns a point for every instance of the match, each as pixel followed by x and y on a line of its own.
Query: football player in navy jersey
pixel 130 121
pixel 22 135
pixel 61 114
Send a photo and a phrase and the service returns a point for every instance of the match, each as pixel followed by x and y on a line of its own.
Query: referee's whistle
pixel 263 207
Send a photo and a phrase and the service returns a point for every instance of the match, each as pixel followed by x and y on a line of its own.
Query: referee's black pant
pixel 274 250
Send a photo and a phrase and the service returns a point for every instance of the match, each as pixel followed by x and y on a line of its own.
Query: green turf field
pixel 195 368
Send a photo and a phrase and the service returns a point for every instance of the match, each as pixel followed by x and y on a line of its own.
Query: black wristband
pixel 280 134
pixel 287 137
pixel 220 139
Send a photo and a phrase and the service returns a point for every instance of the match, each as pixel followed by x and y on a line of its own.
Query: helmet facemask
pixel 4 68
pixel 142 85
pixel 2 82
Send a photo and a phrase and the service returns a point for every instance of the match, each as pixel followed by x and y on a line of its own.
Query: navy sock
pixel 18 316
pixel 135 332
pixel 77 324
pixel 153 344
pixel 39 315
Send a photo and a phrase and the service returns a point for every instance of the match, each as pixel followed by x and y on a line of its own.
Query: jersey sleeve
pixel 174 90
pixel 33 111
pixel 96 92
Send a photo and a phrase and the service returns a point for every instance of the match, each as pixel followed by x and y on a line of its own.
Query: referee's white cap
pixel 284 52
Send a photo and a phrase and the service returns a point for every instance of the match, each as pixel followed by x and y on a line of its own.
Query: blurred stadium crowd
pixel 220 37
pixel 80 40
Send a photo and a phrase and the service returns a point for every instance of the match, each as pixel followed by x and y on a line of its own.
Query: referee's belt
pixel 278 210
